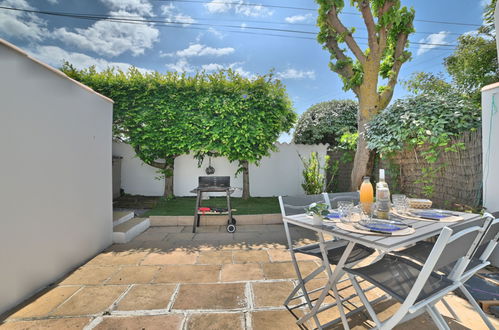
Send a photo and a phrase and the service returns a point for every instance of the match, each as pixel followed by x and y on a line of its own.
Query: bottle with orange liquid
pixel 366 194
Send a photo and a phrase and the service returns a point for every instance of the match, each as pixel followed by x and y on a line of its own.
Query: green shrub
pixel 422 119
pixel 326 122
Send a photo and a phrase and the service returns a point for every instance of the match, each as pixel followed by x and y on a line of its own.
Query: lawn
pixel 185 205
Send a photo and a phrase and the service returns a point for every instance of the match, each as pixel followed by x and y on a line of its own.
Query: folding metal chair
pixel 332 199
pixel 418 288
pixel 479 258
pixel 291 205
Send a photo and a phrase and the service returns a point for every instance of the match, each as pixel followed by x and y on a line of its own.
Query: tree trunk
pixel 363 163
pixel 168 172
pixel 246 184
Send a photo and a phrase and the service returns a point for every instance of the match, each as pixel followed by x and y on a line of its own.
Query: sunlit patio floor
pixel 169 278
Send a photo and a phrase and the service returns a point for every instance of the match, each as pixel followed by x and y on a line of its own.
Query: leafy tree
pixel 326 122
pixel 245 119
pixel 473 64
pixel 388 27
pixel 488 19
pixel 427 83
pixel 163 116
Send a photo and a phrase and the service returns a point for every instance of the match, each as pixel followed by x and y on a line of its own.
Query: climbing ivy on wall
pixel 427 121
pixel 164 116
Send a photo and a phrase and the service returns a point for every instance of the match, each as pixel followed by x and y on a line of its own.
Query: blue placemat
pixel 431 214
pixel 332 215
pixel 382 226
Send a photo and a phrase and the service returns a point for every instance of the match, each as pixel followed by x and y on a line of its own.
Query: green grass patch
pixel 185 205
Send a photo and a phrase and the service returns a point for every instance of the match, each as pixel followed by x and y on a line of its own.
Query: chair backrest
pixel 490 238
pixel 291 205
pixel 332 199
pixel 448 248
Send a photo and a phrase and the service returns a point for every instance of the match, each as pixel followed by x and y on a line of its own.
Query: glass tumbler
pixel 345 210
pixel 400 203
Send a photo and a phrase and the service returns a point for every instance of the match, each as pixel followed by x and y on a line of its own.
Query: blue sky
pixel 220 34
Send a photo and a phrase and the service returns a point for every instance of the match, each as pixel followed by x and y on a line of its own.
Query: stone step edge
pixel 215 220
pixel 120 217
pixel 127 231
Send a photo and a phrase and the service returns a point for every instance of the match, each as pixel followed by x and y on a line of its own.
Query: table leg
pixel 333 278
pixel 301 282
pixel 196 212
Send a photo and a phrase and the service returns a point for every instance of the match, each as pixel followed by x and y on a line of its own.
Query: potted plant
pixel 317 211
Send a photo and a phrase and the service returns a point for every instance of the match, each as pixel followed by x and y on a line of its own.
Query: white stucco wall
pixel 278 174
pixel 490 145
pixel 55 175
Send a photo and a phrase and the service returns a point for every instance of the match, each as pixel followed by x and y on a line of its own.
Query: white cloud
pixel 141 7
pixel 53 1
pixel 180 66
pixel 484 3
pixel 243 26
pixel 295 74
pixel 172 14
pixel 298 18
pixel 216 33
pixel 200 50
pixel 20 24
pixel 434 39
pixel 212 67
pixel 55 56
pixel 111 38
pixel 239 7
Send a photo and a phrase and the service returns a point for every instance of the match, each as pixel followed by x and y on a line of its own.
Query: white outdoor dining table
pixel 423 229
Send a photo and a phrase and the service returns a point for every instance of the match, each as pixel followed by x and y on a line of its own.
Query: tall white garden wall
pixel 490 145
pixel 278 174
pixel 55 175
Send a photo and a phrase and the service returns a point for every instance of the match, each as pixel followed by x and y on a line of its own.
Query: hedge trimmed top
pixel 166 115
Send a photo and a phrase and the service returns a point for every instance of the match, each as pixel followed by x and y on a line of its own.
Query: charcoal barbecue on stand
pixel 213 184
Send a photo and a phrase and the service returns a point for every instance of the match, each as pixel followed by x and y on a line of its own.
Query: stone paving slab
pixel 216 321
pixel 147 297
pixel 188 274
pixel 50 324
pixel 134 274
pixel 241 272
pixel 153 322
pixel 44 304
pixel 90 300
pixel 211 296
pixel 173 279
pixel 214 257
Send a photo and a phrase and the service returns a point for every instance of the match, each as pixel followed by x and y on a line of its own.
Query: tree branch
pixel 383 32
pixel 335 23
pixel 347 70
pixel 387 94
pixel 150 163
pixel 367 15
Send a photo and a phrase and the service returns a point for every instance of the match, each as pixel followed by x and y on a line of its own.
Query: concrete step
pixel 120 217
pixel 125 232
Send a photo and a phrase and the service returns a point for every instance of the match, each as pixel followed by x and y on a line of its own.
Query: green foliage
pixel 429 121
pixel 317 209
pixel 488 19
pixel 326 122
pixel 473 64
pixel 166 115
pixel 314 174
pixel 427 83
pixel 422 119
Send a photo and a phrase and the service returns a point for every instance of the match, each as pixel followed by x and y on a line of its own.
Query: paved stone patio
pixel 169 278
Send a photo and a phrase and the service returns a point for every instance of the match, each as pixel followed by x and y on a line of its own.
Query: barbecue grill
pixel 213 184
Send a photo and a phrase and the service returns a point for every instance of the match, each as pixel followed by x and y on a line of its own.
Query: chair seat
pixel 335 250
pixel 397 276
pixel 421 250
